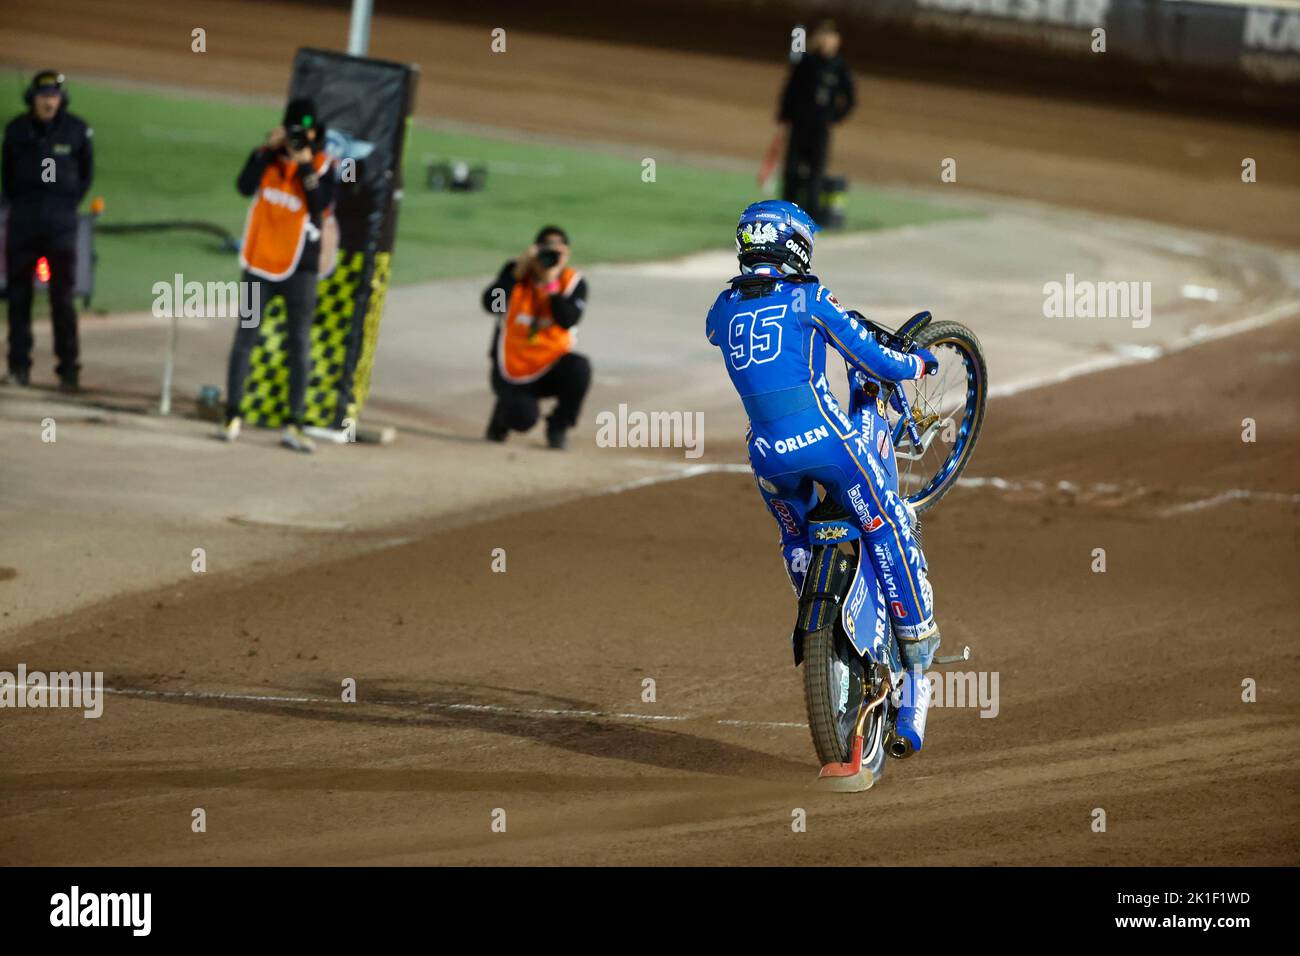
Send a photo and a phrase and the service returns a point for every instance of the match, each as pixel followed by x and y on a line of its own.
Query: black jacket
pixel 36 205
pixel 818 93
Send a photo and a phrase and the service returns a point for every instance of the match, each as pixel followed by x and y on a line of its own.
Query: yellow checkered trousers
pixel 334 330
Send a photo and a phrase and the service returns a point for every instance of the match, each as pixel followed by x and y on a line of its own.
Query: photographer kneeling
pixel 538 300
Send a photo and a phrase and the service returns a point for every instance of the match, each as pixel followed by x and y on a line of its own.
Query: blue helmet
pixel 777 233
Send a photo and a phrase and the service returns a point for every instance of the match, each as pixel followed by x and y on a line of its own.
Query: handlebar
pixel 903 340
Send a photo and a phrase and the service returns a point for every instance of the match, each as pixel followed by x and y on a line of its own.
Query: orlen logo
pixel 796 442
pixel 1275 30
pixel 278 197
pixel 797 249
pixel 785 515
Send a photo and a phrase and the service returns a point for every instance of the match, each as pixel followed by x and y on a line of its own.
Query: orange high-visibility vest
pixel 278 220
pixel 530 341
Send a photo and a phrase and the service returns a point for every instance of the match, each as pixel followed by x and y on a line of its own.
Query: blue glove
pixel 931 363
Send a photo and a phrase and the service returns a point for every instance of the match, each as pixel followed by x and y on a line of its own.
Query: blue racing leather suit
pixel 773 331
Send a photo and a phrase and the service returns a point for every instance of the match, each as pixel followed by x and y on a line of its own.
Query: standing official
pixel 818 94
pixel 47 168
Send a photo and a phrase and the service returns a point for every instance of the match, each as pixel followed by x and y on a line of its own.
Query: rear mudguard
pixel 835 585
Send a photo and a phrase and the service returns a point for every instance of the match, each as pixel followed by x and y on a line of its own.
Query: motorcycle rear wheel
pixel 836 683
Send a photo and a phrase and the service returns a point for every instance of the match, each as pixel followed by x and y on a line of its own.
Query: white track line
pixel 434 705
pixel 1033 485
pixel 675 472
pixel 1223 497
pixel 1197 336
pixel 1110 488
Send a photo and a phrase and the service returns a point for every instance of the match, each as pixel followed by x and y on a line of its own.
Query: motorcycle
pixel 863 706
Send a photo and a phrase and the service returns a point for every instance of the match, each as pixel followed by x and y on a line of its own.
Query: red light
pixel 43 269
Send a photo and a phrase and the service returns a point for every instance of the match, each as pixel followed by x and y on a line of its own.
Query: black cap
pixel 48 81
pixel 301 113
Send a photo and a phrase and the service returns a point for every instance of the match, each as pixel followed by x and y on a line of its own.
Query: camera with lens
pixel 548 258
pixel 297 137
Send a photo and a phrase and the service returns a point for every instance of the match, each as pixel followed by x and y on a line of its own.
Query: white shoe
pixel 230 430
pixel 293 437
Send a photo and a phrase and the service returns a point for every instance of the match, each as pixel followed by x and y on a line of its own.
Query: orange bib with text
pixel 530 341
pixel 278 221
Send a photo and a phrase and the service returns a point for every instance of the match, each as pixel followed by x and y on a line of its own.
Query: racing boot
pixel 918 652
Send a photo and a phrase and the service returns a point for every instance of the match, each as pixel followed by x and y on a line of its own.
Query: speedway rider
pixel 773 325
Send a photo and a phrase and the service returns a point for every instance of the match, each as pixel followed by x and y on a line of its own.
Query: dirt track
pixel 1118 690
pixel 522 690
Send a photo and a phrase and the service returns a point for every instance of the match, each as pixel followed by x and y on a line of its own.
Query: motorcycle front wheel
pixel 948 409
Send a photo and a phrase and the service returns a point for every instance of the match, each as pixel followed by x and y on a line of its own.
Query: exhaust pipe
pixel 900 747
pixel 909 728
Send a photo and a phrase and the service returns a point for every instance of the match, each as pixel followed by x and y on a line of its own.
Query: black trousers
pixel 516 406
pixel 805 169
pixel 299 291
pixel 22 252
